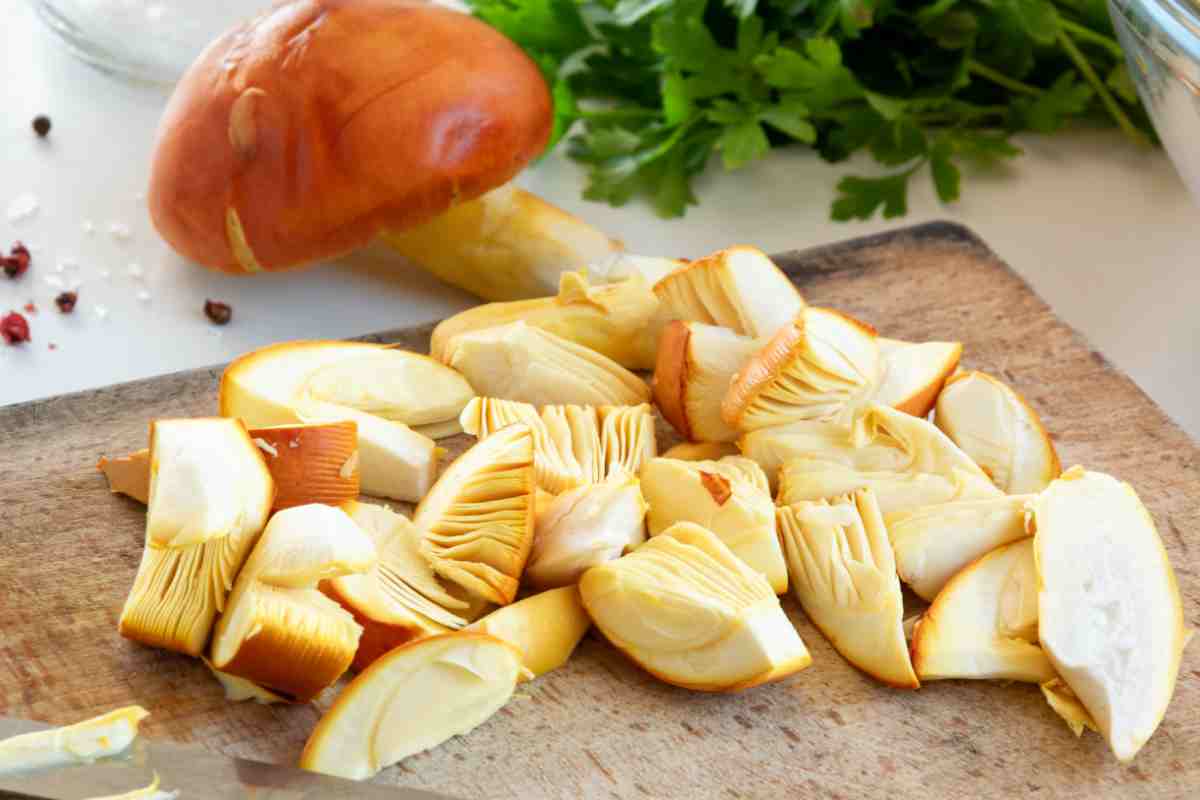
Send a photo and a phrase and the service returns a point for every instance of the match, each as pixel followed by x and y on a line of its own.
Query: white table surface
pixel 1103 230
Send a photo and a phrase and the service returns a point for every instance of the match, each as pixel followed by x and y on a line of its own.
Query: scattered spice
pixel 41 125
pixel 53 346
pixel 219 313
pixel 17 260
pixel 66 301
pixel 14 328
pixel 30 308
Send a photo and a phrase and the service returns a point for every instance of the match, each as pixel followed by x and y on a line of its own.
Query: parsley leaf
pixel 858 198
pixel 649 92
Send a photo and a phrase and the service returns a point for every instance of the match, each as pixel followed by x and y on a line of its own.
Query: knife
pixel 194 773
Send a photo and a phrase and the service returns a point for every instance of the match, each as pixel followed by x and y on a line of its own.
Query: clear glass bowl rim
pixel 1176 23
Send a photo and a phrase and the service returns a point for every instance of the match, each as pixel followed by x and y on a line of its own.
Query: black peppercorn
pixel 219 313
pixel 41 125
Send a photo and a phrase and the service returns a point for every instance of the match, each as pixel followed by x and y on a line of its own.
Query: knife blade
pixel 195 773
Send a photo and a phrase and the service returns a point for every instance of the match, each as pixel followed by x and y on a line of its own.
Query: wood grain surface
pixel 599 727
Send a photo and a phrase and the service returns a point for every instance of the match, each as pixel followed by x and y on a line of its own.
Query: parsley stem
pixel 1110 102
pixel 1000 79
pixel 603 115
pixel 1086 34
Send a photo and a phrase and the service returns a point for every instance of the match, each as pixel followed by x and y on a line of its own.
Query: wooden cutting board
pixel 599 727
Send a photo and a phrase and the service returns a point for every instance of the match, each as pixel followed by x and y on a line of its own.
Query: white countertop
pixel 1103 230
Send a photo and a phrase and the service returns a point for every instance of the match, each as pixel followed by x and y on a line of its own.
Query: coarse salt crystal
pixel 119 231
pixel 294 443
pixel 266 447
pixel 106 274
pixel 144 296
pixel 101 312
pixel 23 206
pixel 89 227
pixel 54 280
pixel 135 271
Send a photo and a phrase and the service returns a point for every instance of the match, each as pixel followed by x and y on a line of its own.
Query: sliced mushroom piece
pixel 413 699
pixel 477 521
pixel 574 445
pixel 401 598
pixel 729 498
pixel 394 460
pixel 932 543
pixel 279 631
pixel 823 365
pixel 613 319
pixel 882 439
pixel 545 627
pixel 210 495
pixel 688 611
pixel 584 527
pixel 696 363
pixel 843 575
pixel 1109 612
pixel 999 430
pixel 520 362
pixel 272 385
pixel 626 438
pixel 984 622
pixel 914 373
pixel 809 479
pixel 739 288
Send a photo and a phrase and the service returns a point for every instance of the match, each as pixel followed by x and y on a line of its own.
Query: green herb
pixel 647 92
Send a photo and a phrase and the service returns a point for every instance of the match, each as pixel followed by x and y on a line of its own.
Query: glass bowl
pixel 145 40
pixel 1161 39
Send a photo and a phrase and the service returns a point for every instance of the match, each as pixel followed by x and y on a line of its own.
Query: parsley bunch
pixel 658 86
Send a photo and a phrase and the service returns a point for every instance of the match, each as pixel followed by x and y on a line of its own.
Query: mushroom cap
pixel 302 132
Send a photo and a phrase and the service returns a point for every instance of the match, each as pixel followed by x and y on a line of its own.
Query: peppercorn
pixel 17 261
pixel 41 125
pixel 14 328
pixel 66 301
pixel 219 313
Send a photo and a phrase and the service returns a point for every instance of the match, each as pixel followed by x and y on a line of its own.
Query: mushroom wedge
pixel 1109 612
pixel 583 527
pixel 394 397
pixel 573 445
pixel 696 363
pixel 545 627
pixel 739 288
pixel 517 361
pixel 688 611
pixel 984 622
pixel 614 319
pixel 412 699
pixel 842 573
pixel 932 543
pixel 822 365
pixel 400 598
pixel 477 521
pixel 807 479
pixel 210 495
pixel 730 498
pixel 998 429
pixel 279 631
pixel 272 385
pixel 882 439
pixel 914 372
